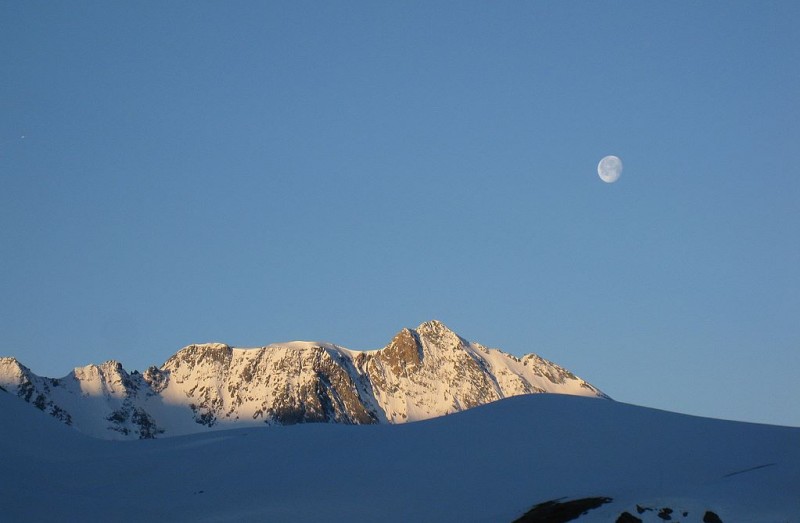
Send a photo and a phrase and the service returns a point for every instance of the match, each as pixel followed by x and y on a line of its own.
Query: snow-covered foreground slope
pixel 491 463
pixel 422 373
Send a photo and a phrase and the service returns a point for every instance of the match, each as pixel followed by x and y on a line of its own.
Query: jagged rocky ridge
pixel 422 373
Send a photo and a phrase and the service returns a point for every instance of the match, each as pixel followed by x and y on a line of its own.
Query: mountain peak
pixel 440 335
pixel 213 354
pixel 433 326
pixel 404 351
pixel 103 369
pixel 107 379
pixel 12 369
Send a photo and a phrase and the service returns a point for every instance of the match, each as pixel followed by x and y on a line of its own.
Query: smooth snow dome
pixel 488 464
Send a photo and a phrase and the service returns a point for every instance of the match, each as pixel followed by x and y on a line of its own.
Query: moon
pixel 609 169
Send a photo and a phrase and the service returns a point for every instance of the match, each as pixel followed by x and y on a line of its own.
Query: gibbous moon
pixel 609 169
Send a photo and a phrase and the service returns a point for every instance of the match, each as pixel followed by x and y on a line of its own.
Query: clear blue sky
pixel 257 172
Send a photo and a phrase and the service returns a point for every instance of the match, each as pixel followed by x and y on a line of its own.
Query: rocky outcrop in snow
pixel 422 373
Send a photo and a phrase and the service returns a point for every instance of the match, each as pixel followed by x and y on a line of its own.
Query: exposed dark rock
pixel 204 418
pixel 711 517
pixel 26 389
pixel 665 514
pixel 556 511
pixel 60 414
pixel 156 378
pixel 627 517
pixel 119 416
pixel 403 353
pixel 147 425
pixel 40 402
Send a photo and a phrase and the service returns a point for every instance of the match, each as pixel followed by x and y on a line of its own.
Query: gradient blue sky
pixel 260 172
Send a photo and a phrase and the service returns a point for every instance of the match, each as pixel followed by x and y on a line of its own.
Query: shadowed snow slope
pixel 491 463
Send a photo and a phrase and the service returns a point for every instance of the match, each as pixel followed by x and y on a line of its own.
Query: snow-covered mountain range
pixel 422 373
pixel 528 458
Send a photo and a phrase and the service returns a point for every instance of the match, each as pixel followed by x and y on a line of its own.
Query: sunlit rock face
pixel 422 373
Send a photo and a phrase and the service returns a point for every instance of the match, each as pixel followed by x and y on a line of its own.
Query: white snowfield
pixel 423 373
pixel 488 464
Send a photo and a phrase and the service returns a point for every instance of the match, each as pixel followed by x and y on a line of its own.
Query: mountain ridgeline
pixel 422 373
